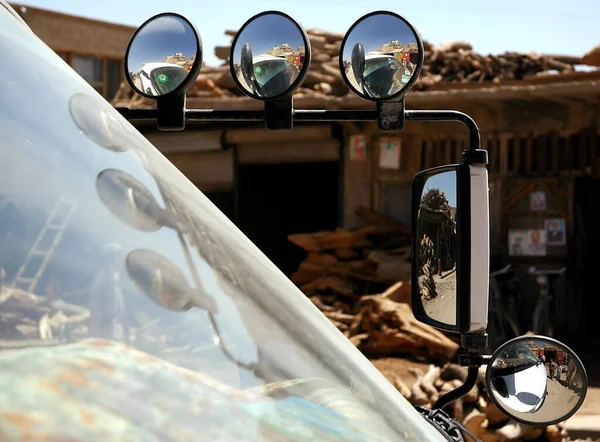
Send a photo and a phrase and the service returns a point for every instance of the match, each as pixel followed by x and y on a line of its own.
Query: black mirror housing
pixel 459 246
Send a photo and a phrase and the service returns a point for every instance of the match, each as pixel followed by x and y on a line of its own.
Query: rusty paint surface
pixel 105 391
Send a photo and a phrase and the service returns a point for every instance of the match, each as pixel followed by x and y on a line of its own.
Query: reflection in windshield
pixel 172 364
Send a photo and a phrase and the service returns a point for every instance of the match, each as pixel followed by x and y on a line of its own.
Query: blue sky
pixel 446 182
pixel 544 26
pixel 267 32
pixel 161 39
pixel 376 31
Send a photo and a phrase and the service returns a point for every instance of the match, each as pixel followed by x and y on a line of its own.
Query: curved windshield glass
pixel 127 298
pixel 267 69
pixel 382 75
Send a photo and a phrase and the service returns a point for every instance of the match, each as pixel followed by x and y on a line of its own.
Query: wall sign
pixel 556 233
pixel 537 201
pixel 358 148
pixel 389 153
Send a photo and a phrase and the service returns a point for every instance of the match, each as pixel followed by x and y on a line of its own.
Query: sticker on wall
pixel 358 148
pixel 389 153
pixel 538 200
pixel 527 242
pixel 556 233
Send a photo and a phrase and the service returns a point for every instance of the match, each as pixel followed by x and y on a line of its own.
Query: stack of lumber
pixel 453 62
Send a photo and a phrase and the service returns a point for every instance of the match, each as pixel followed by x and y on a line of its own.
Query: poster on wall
pixel 556 234
pixel 527 242
pixel 389 153
pixel 358 148
pixel 537 201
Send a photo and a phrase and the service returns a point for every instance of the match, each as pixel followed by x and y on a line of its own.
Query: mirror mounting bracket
pixel 475 341
pixel 279 115
pixel 170 112
pixel 390 115
pixel 473 360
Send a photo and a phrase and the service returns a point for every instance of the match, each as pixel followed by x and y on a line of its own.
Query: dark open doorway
pixel 586 259
pixel 224 200
pixel 277 200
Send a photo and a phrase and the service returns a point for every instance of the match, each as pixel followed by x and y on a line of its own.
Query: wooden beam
pixel 288 153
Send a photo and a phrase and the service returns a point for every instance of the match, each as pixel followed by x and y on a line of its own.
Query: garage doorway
pixel 277 200
pixel 586 259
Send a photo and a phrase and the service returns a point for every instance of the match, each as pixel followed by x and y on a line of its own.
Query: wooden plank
pixel 528 152
pixel 555 153
pixel 503 153
pixel 288 152
pixel 315 133
pixel 188 141
pixel 358 179
pixel 208 169
pixel 593 151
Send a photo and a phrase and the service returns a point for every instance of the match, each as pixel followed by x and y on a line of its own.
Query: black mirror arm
pixel 382 112
pixel 473 373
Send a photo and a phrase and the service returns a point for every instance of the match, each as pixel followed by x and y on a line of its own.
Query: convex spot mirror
pixel 446 270
pixel 536 380
pixel 381 56
pixel 164 56
pixel 270 56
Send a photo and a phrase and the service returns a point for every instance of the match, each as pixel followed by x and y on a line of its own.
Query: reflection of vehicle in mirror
pixel 377 68
pixel 271 76
pixel 261 64
pixel 161 78
pixel 525 383
pixel 518 379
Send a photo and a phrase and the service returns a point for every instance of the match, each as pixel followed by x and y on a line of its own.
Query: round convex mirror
pixel 164 56
pixel 129 200
pixel 536 380
pixel 160 279
pixel 381 56
pixel 270 56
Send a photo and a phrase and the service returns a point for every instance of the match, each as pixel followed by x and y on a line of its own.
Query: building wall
pixel 95 49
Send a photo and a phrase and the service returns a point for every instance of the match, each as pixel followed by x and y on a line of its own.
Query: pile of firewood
pixel 360 280
pixel 453 62
pixel 475 411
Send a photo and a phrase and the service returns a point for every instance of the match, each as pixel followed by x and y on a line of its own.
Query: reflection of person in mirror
pixel 571 372
pixel 107 303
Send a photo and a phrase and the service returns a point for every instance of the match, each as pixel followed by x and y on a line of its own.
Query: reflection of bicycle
pixel 544 312
pixel 503 312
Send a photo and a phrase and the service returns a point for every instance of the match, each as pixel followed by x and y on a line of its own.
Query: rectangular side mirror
pixel 450 260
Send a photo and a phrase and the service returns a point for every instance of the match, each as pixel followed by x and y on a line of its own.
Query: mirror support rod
pixel 386 115
pixel 473 373
pixel 449 115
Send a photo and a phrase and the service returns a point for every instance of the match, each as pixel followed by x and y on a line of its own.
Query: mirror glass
pixel 160 279
pixel 536 380
pixel 379 56
pixel 161 55
pixel 436 233
pixel 129 200
pixel 268 55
